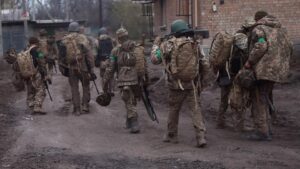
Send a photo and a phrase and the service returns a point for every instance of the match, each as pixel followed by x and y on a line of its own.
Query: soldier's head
pixel 102 31
pixel 74 27
pixel 259 15
pixel 33 41
pixel 43 32
pixel 180 28
pixel 122 35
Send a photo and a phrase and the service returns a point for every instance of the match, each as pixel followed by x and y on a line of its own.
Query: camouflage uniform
pixel 35 86
pixel 81 71
pixel 103 56
pixel 238 58
pixel 127 75
pixel 270 52
pixel 52 54
pixel 160 54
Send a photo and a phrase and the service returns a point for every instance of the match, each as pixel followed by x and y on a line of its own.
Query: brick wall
pixel 232 14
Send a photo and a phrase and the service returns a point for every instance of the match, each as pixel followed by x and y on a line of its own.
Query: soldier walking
pixel 270 52
pixel 80 62
pixel 179 56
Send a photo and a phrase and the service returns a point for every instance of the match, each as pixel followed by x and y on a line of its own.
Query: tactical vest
pixel 127 73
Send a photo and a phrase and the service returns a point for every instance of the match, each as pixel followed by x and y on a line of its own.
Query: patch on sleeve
pixel 261 40
pixel 113 58
pixel 40 55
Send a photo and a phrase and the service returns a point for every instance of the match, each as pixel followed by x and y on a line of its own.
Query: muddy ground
pixel 98 140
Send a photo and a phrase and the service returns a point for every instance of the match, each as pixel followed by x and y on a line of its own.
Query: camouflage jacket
pixel 125 68
pixel 87 63
pixel 270 50
pixel 161 53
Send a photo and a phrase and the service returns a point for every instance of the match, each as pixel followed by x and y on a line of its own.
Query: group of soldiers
pixel 77 61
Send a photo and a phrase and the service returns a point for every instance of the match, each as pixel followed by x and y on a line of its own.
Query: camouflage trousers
pixel 35 91
pixel 111 83
pixel 74 78
pixel 129 97
pixel 261 105
pixel 176 99
pixel 239 115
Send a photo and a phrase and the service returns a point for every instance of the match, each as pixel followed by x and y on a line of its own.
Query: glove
pixel 93 76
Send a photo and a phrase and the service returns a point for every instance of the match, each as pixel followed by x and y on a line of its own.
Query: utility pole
pixel 100 13
pixel 33 10
pixel 67 10
pixel 1 39
pixel 25 17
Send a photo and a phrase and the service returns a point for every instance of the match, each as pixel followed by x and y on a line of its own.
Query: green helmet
pixel 43 32
pixel 121 32
pixel 74 27
pixel 179 26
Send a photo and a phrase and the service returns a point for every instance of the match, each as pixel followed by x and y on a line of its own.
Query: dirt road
pixel 60 140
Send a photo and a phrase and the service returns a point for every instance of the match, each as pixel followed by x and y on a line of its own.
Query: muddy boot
pixel 76 111
pixel 135 128
pixel 85 109
pixel 201 141
pixel 38 110
pixel 170 138
pixel 128 123
pixel 259 136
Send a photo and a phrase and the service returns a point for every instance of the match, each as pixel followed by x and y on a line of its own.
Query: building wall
pixel 232 14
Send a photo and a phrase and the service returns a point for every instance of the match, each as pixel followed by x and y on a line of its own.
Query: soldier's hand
pixel 93 76
pixel 48 79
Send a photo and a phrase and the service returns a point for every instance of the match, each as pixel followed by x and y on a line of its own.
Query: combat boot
pixel 85 108
pixel 201 141
pixel 221 122
pixel 128 123
pixel 170 138
pixel 134 128
pixel 76 111
pixel 38 110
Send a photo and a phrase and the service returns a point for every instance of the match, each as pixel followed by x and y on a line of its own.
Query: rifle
pixel 47 88
pixel 148 104
pixel 89 68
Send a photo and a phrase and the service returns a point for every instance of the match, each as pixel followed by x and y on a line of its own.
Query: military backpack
pixel 184 64
pixel 73 52
pixel 220 49
pixel 25 63
pixel 140 65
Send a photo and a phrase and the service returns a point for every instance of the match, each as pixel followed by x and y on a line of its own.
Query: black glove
pixel 93 76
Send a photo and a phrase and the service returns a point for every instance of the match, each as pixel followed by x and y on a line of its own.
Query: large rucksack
pixel 220 49
pixel 25 63
pixel 184 63
pixel 140 64
pixel 73 52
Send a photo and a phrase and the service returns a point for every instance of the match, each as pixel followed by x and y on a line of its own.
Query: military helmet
pixel 241 41
pixel 43 32
pixel 179 26
pixel 102 31
pixel 74 27
pixel 103 99
pixel 121 32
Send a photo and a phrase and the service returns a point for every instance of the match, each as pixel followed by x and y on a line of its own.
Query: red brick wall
pixel 169 15
pixel 232 14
